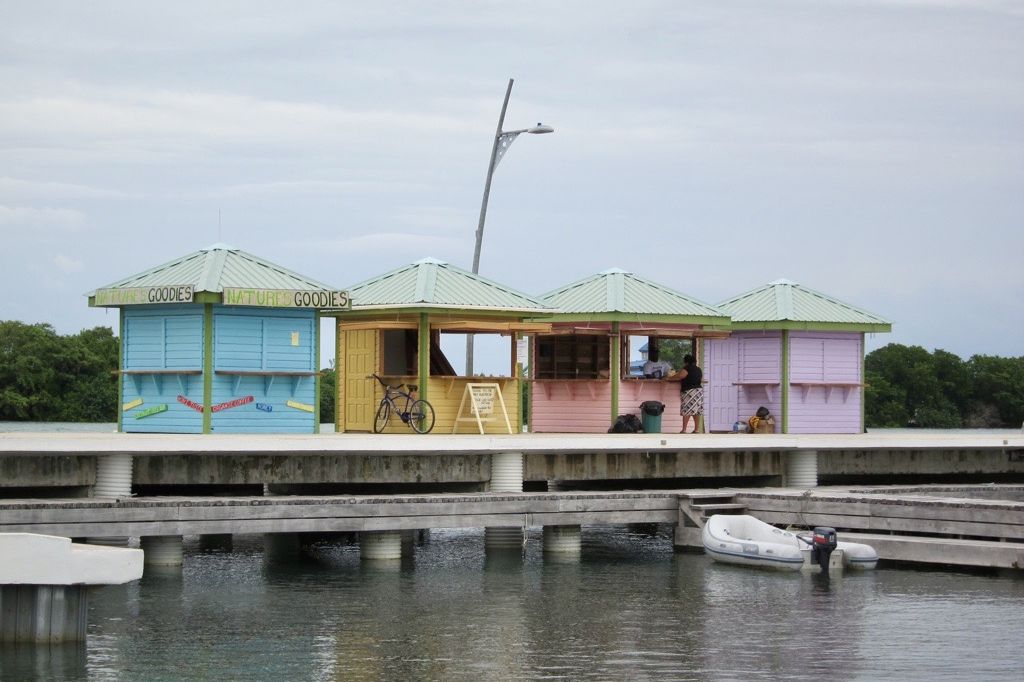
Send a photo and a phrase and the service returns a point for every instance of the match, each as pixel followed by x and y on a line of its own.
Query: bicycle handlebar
pixel 384 384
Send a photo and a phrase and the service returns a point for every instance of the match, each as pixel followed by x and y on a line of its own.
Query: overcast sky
pixel 872 150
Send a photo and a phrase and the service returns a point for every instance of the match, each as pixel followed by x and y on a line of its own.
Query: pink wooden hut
pixel 580 370
pixel 796 351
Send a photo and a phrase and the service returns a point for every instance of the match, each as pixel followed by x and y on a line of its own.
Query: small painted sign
pixel 295 338
pixel 483 398
pixel 190 403
pixel 238 402
pixel 173 293
pixel 132 405
pixel 150 411
pixel 264 407
pixel 299 406
pixel 287 298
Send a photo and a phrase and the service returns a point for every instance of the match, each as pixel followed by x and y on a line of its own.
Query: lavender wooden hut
pixel 219 340
pixel 796 351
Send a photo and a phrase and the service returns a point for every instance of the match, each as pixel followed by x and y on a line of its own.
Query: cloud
pixel 310 187
pixel 67 264
pixel 23 217
pixel 31 189
pixel 392 242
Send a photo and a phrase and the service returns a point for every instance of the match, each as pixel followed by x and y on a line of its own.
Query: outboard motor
pixel 823 543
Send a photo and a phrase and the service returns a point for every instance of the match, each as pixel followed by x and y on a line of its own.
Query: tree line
pixel 45 376
pixel 909 386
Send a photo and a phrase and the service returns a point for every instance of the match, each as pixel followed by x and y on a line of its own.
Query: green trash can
pixel 650 415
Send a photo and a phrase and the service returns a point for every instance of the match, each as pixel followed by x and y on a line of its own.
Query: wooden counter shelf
pixel 767 386
pixel 268 377
pixel 830 386
pixel 158 377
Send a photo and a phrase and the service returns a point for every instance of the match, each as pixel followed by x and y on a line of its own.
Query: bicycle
pixel 418 414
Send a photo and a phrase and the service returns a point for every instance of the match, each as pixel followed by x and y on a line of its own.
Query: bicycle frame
pixel 417 414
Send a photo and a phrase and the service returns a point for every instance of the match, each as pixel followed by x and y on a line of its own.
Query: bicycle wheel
pixel 383 415
pixel 421 416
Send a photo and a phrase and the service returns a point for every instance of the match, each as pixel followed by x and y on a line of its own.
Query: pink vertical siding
pixel 760 359
pixel 570 406
pixel 825 357
pixel 585 406
pixel 634 392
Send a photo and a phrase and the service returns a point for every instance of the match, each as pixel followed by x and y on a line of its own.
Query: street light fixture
pixel 503 139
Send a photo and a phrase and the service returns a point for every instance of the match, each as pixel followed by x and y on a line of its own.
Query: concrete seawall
pixel 68 461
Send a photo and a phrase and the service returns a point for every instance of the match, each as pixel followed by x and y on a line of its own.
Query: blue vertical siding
pixel 161 338
pixel 262 340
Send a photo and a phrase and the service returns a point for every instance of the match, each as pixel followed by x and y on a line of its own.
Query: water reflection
pixel 630 608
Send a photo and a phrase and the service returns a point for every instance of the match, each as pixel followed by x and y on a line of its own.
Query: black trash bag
pixel 652 407
pixel 626 423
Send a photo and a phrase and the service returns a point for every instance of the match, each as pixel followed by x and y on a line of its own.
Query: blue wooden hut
pixel 219 341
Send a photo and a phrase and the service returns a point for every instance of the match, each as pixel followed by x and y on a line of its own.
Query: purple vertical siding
pixel 760 360
pixel 721 394
pixel 824 359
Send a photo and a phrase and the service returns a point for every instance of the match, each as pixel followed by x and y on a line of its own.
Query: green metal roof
pixel 618 291
pixel 782 301
pixel 431 283
pixel 218 266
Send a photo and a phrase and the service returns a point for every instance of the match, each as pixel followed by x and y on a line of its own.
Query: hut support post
pixel 616 371
pixel 785 381
pixel 121 366
pixel 424 354
pixel 207 367
pixel 863 382
pixel 316 377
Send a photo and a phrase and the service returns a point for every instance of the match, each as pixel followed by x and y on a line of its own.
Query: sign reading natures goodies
pixel 287 298
pixel 172 293
pixel 233 403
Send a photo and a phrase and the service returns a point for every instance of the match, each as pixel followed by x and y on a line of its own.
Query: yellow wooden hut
pixel 394 330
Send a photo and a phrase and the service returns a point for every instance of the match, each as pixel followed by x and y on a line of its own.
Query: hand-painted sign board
pixel 264 407
pixel 150 411
pixel 190 403
pixel 132 405
pixel 238 402
pixel 299 406
pixel 173 293
pixel 287 298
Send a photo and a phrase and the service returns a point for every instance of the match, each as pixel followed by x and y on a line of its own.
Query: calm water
pixel 630 609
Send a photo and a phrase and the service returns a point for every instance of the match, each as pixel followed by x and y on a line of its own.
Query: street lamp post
pixel 503 139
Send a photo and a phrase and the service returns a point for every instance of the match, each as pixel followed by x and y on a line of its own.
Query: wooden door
pixel 360 361
pixel 720 374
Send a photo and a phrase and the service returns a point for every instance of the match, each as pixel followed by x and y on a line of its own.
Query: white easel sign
pixel 479 400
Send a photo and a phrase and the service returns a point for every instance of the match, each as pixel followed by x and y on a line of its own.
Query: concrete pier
pixel 165 550
pixel 506 477
pixel 44 585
